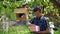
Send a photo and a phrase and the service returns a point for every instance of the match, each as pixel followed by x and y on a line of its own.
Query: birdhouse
pixel 21 13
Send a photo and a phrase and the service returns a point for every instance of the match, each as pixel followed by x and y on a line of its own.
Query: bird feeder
pixel 21 13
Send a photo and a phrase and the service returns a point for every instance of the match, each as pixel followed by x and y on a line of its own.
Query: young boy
pixel 40 21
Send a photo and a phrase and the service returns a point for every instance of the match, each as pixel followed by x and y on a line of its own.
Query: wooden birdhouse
pixel 21 13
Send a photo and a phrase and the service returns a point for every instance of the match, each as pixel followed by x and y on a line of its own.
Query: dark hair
pixel 36 9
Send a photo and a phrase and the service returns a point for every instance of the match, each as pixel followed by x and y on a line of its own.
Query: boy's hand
pixel 29 24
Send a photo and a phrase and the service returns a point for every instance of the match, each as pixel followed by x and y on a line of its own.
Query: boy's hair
pixel 37 9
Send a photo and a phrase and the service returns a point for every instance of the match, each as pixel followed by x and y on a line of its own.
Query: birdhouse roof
pixel 20 10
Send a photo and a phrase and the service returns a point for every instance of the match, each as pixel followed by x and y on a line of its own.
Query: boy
pixel 40 21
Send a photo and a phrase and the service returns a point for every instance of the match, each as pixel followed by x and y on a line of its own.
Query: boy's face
pixel 38 14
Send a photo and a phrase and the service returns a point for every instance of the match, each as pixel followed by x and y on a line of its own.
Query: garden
pixel 49 8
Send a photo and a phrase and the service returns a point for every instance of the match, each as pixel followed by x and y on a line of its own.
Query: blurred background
pixel 50 8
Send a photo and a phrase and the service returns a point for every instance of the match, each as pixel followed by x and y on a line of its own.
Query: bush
pixel 17 30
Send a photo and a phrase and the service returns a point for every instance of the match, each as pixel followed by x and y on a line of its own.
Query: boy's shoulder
pixel 42 17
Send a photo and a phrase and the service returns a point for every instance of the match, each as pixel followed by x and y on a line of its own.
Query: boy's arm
pixel 29 24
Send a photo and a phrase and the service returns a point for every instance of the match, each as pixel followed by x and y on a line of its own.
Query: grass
pixel 21 30
pixel 57 32
pixel 17 30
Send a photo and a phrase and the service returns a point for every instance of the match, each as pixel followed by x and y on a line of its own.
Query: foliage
pixel 21 30
pixel 17 30
pixel 58 31
pixel 7 6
